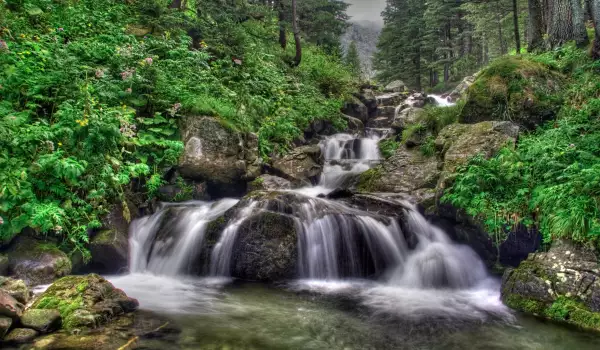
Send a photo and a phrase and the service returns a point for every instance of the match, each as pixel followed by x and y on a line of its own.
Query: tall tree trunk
pixel 535 35
pixel 298 57
pixel 579 30
pixel 418 67
pixel 503 48
pixel 560 27
pixel 282 33
pixel 516 25
pixel 596 17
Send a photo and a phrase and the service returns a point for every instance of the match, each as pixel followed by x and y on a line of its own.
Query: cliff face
pixel 366 35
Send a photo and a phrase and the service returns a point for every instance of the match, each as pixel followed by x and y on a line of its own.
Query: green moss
pixel 368 180
pixel 66 307
pixel 388 147
pixel 524 304
pixel 570 310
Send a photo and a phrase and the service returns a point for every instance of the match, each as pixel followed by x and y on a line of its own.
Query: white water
pixel 442 102
pixel 336 245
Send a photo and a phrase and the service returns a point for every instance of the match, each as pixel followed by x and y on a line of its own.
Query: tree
pixel 535 30
pixel 353 59
pixel 566 23
pixel 516 26
pixel 298 57
pixel 596 18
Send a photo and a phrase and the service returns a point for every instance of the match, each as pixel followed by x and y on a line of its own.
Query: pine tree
pixel 353 59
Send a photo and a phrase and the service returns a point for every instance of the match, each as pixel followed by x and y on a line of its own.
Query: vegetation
pixel 388 147
pixel 552 179
pixel 90 104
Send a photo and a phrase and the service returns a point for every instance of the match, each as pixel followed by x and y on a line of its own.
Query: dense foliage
pixel 552 179
pixel 91 94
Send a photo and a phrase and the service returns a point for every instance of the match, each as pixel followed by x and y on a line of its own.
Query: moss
pixel 524 304
pixel 368 180
pixel 571 311
pixel 66 307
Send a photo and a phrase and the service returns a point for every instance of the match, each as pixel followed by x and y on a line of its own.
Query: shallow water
pixel 218 314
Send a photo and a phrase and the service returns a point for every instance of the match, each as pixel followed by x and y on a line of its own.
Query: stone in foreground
pixel 42 320
pixel 21 336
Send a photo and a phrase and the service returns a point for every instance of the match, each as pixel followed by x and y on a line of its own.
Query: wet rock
pixel 21 336
pixel 3 265
pixel 224 158
pixel 391 99
pixel 85 301
pixel 266 248
pixel 37 262
pixel 562 284
pixel 514 89
pixel 383 119
pixel 16 288
pixel 407 117
pixel 369 99
pixel 461 90
pixel 407 171
pixel 269 183
pixel 110 249
pixel 5 324
pixel 9 306
pixel 356 109
pixel 355 125
pixel 301 166
pixel 42 320
pixel 395 86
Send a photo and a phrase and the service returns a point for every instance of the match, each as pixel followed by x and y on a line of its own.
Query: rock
pixel 42 320
pixel 9 306
pixel 222 157
pixel 266 248
pixel 355 125
pixel 391 99
pixel 457 143
pixel 356 109
pixel 395 86
pixel 270 183
pixel 110 251
pixel 461 90
pixel 405 172
pixel 368 98
pixel 562 284
pixel 3 265
pixel 37 262
pixel 301 165
pixel 16 288
pixel 406 117
pixel 515 89
pixel 5 324
pixel 21 336
pixel 85 301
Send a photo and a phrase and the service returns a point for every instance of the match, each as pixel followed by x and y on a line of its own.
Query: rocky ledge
pixel 562 284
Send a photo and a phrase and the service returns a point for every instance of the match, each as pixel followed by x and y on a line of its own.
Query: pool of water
pixel 219 314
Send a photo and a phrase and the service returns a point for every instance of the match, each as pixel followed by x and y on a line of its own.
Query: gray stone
pixel 9 306
pixel 301 165
pixel 407 117
pixel 356 109
pixel 392 99
pixel 42 320
pixel 395 86
pixel 5 324
pixel 16 288
pixel 3 265
pixel 270 183
pixel 37 262
pixel 21 336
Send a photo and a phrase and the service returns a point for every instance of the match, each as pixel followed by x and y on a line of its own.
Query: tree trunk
pixel 282 33
pixel 579 30
pixel 418 67
pixel 596 17
pixel 516 25
pixel 298 57
pixel 560 27
pixel 535 35
pixel 503 48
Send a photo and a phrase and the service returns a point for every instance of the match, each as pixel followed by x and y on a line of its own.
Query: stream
pixel 363 280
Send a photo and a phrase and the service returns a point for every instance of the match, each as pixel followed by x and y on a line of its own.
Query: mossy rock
pixel 42 320
pixel 516 89
pixel 16 288
pixel 85 301
pixel 37 262
pixel 21 336
pixel 3 265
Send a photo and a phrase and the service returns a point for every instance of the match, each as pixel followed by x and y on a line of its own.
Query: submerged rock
pixel 42 320
pixel 21 336
pixel 225 158
pixel 562 284
pixel 37 262
pixel 16 288
pixel 85 301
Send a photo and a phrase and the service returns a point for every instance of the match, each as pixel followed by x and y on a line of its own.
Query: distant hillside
pixel 365 34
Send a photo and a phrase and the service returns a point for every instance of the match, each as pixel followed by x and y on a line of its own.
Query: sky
pixel 369 10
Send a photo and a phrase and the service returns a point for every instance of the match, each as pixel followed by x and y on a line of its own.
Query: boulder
pixel 9 306
pixel 356 109
pixel 3 265
pixel 355 125
pixel 395 86
pixel 37 262
pixel 457 143
pixel 224 158
pixel 514 88
pixel 461 90
pixel 392 99
pixel 368 98
pixel 301 165
pixel 5 324
pixel 562 284
pixel 269 183
pixel 383 119
pixel 21 336
pixel 406 117
pixel 85 301
pixel 16 288
pixel 42 320
pixel 407 171
pixel 110 250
